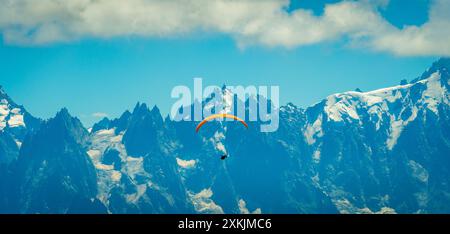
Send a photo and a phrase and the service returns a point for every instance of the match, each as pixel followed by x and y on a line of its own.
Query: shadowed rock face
pixel 53 170
pixel 381 151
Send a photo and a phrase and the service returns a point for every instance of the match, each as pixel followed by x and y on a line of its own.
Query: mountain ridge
pixel 349 153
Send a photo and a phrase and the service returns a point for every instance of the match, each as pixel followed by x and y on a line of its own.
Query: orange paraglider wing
pixel 215 116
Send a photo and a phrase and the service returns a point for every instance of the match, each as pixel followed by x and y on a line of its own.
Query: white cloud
pixel 99 115
pixel 249 22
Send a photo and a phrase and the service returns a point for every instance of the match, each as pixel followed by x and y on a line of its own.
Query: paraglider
pixel 223 115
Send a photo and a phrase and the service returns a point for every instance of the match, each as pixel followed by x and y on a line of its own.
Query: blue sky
pixel 109 74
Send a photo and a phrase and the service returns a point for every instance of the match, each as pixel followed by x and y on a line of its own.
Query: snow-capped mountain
pixel 15 123
pixel 383 151
pixel 135 164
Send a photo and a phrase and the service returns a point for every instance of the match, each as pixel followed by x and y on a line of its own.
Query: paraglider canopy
pixel 215 116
